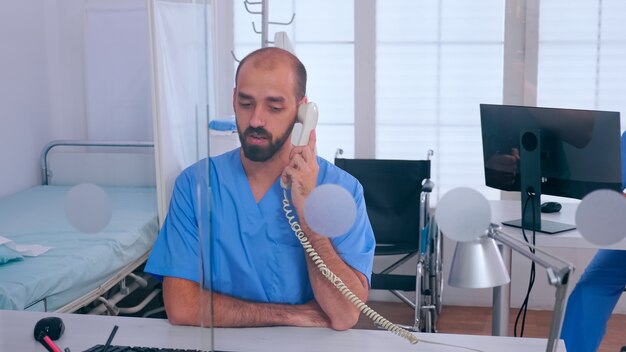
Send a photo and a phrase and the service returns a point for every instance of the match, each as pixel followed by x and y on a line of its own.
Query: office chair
pixel 397 196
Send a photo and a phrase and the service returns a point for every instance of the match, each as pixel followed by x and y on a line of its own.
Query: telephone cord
pixel 338 283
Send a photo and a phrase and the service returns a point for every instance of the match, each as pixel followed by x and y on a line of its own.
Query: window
pixel 435 62
pixel 582 55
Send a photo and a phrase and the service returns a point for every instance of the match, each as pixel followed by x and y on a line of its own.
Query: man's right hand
pixel 310 314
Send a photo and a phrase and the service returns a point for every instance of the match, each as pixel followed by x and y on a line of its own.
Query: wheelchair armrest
pixel 427 185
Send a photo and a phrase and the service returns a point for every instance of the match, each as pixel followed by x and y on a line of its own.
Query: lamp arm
pixel 557 276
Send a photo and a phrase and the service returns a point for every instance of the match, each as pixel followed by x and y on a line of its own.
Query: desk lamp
pixel 464 215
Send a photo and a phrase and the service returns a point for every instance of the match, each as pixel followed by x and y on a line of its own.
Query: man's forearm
pixel 232 312
pixel 341 312
pixel 186 304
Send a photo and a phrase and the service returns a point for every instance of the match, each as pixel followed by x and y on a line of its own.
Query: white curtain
pixel 182 40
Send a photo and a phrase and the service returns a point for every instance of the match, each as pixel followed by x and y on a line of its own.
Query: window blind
pixel 436 61
pixel 582 55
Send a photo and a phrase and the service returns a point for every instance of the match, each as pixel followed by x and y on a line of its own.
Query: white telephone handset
pixel 307 116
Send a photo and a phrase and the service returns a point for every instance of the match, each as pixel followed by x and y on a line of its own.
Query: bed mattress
pixel 76 262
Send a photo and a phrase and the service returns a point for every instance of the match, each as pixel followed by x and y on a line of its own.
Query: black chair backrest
pixel 392 191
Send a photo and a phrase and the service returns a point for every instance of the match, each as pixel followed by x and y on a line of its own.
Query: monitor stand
pixel 547 226
pixel 530 186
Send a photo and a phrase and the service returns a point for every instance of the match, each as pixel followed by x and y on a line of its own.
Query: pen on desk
pixel 106 345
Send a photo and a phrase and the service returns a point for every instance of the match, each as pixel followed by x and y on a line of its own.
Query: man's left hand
pixel 302 172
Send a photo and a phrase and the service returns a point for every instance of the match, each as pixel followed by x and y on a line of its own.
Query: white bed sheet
pixel 77 262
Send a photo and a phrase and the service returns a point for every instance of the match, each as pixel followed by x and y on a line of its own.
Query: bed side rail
pixel 45 174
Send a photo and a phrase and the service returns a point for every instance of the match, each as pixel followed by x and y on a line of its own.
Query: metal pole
pixel 502 299
pixel 557 317
pixel 264 23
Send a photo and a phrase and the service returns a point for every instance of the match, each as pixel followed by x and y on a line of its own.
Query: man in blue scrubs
pixel 591 303
pixel 259 273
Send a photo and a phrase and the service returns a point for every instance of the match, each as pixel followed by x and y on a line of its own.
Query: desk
pixel 84 331
pixel 503 210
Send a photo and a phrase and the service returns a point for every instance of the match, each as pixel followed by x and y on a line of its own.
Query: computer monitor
pixel 561 152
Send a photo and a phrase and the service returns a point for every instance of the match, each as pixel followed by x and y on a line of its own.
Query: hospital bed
pixel 80 268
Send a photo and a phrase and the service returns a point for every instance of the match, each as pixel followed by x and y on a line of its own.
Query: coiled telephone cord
pixel 337 282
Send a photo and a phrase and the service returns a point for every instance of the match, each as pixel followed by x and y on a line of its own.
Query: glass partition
pixel 183 88
pixel 108 101
pixel 78 140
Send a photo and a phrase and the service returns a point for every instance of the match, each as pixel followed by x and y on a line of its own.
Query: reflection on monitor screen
pixel 561 152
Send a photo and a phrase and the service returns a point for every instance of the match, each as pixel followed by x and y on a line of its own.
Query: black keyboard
pixel 113 348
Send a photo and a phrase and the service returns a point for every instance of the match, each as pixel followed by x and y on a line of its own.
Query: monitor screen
pixel 561 152
pixel 579 150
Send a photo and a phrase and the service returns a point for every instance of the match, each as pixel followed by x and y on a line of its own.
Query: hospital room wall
pixel 43 85
pixel 24 102
pixel 41 90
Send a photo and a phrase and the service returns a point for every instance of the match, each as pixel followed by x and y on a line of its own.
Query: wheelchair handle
pixel 427 185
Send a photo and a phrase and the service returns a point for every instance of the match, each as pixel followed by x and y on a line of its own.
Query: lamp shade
pixel 478 264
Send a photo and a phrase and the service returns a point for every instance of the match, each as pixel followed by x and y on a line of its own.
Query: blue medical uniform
pixel 591 303
pixel 251 252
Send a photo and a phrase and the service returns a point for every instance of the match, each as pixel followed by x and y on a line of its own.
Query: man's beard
pixel 258 153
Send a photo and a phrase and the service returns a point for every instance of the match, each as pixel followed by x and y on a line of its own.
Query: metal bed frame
pixel 118 282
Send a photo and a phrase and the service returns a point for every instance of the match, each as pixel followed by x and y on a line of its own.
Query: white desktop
pixel 504 210
pixel 85 331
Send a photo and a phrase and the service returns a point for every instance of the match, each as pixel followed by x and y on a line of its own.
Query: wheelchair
pixel 397 197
